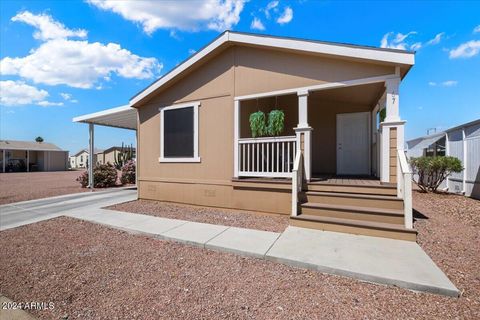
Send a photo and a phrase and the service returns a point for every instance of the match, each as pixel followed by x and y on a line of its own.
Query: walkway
pixel 379 260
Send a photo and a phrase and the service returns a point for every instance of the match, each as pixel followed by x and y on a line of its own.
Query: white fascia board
pixel 325 48
pixel 107 112
pixel 373 54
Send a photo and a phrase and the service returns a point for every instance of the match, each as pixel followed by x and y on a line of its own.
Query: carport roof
pixel 124 117
pixel 28 145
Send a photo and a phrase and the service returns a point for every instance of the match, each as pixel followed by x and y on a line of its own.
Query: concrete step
pixel 372 214
pixel 358 188
pixel 367 228
pixel 355 199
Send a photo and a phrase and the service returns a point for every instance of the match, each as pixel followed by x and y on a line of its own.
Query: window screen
pixel 178 133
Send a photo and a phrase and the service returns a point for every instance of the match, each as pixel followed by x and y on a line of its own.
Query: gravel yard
pixel 93 272
pixel 227 217
pixel 21 186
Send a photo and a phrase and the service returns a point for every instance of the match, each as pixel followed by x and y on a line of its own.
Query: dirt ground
pixel 21 186
pixel 226 217
pixel 92 272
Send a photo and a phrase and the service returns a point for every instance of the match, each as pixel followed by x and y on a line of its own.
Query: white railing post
pixel 236 136
pixel 407 200
pixel 297 181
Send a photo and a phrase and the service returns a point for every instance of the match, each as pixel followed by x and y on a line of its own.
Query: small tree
pixel 430 172
pixel 39 139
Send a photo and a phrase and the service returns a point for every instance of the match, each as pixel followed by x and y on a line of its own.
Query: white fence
pixel 266 157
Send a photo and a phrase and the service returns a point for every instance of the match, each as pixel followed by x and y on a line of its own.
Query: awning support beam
pixel 91 151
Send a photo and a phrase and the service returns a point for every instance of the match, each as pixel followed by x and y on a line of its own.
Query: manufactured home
pixel 335 167
pixel 462 142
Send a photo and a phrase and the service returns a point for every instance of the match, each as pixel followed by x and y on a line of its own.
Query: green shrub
pixel 430 172
pixel 276 122
pixel 104 176
pixel 128 172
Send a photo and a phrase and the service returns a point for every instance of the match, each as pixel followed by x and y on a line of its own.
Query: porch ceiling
pixel 121 117
pixel 367 94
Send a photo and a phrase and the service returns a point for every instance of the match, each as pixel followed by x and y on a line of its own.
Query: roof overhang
pixel 124 117
pixel 392 56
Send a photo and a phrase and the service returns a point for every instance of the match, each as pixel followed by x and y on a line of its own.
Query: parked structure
pixel 25 156
pixel 110 155
pixel 463 142
pixel 334 168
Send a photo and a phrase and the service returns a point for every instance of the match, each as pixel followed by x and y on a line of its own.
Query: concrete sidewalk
pixel 379 260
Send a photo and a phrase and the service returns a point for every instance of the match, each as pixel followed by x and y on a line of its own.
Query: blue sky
pixel 60 59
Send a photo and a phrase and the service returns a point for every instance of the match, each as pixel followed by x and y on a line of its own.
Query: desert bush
pixel 430 172
pixel 128 172
pixel 104 176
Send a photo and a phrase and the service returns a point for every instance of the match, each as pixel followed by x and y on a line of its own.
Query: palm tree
pixel 39 139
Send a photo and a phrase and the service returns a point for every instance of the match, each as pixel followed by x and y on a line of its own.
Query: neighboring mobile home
pixel 462 142
pixel 25 156
pixel 80 159
pixel 335 167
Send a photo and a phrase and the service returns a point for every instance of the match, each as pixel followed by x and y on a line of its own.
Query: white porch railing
pixel 297 182
pixel 266 157
pixel 404 187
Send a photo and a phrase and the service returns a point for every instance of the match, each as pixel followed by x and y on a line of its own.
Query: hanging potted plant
pixel 276 122
pixel 257 124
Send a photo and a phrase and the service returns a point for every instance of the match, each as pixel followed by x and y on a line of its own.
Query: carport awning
pixel 120 117
pixel 427 142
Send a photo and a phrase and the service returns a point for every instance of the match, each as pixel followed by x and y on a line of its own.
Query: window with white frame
pixel 179 133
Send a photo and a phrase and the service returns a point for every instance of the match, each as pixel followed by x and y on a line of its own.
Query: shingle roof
pixel 28 145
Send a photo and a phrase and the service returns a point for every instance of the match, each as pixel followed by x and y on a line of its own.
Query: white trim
pixel 385 154
pixel 267 139
pixel 392 99
pixel 447 153
pixel 318 87
pixel 195 105
pixel 265 174
pixel 236 136
pixel 102 113
pixel 179 160
pixel 372 54
pixel 91 154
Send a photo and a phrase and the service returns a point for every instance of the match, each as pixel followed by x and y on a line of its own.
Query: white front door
pixel 353 147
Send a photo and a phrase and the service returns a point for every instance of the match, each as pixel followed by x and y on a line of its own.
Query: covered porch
pixel 337 128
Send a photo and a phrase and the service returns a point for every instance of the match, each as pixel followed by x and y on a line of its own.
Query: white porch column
pixel 236 136
pixel 447 153
pixel 28 160
pixel 392 99
pixel 91 151
pixel 303 132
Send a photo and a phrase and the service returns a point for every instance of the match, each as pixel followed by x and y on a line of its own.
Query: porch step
pixel 355 199
pixel 367 228
pixel 352 212
pixel 387 190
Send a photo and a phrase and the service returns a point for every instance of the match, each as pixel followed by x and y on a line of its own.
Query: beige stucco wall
pixel 237 71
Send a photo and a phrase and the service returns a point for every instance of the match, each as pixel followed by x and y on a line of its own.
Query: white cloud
pixel 17 93
pixel 191 51
pixel 49 104
pixel 257 24
pixel 416 46
pixel 47 28
pixel 183 15
pixel 286 16
pixel 436 39
pixel 272 5
pixel 78 63
pixel 448 83
pixel 66 96
pixel 397 42
pixel 476 29
pixel 466 50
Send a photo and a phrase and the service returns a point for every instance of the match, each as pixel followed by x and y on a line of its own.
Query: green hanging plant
pixel 276 122
pixel 383 114
pixel 257 124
